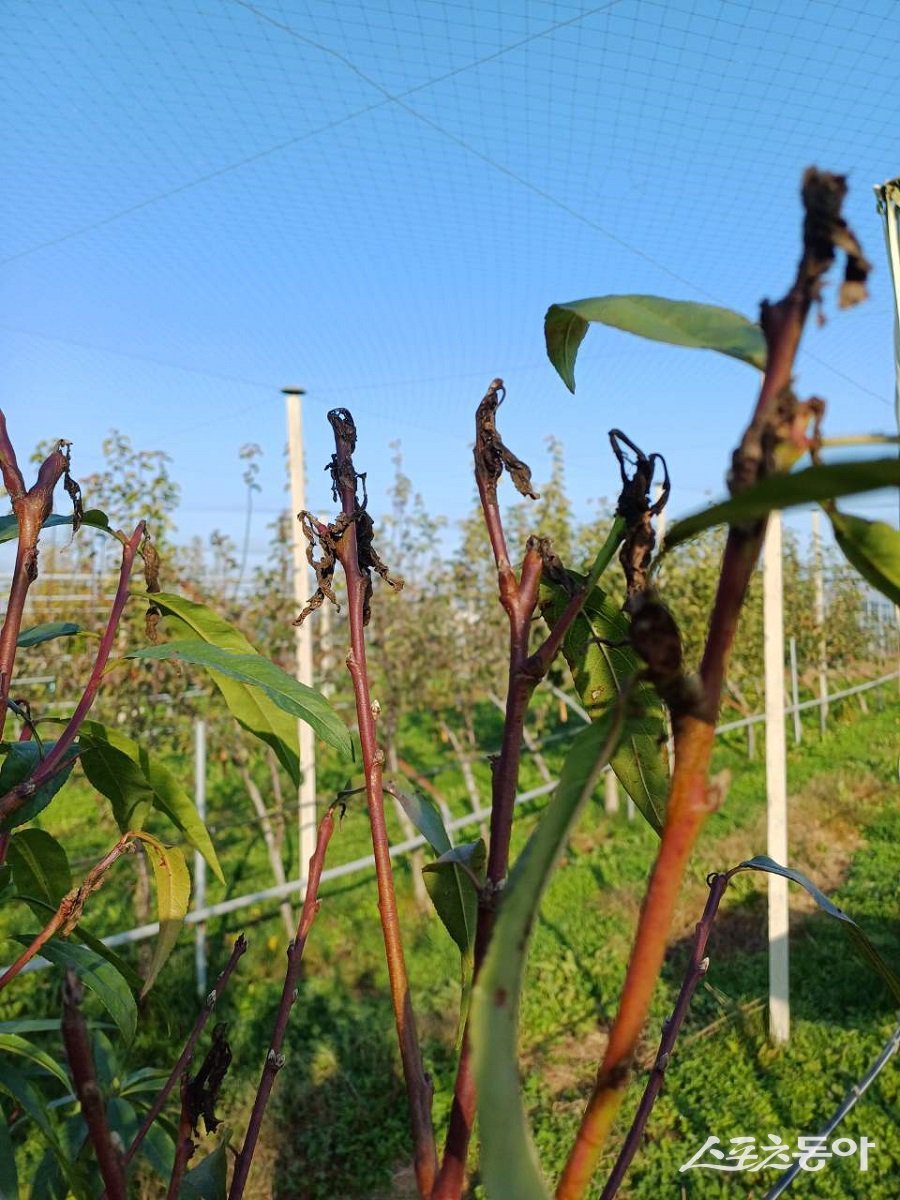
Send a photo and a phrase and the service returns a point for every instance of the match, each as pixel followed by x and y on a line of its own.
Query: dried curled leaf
pixel 491 455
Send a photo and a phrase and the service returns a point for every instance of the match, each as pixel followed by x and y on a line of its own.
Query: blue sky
pixel 207 200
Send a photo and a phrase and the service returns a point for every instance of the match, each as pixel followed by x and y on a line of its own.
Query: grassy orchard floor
pixel 338 1124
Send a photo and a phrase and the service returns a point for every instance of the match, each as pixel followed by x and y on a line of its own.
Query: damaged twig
pixel 772 428
pixel 198 1099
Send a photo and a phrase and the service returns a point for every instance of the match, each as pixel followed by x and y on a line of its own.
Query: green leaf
pixel 873 547
pixel 599 672
pixel 21 761
pixel 46 632
pixel 206 1181
pixel 42 909
pixel 453 893
pixel 40 867
pixel 98 975
pixel 145 1079
pixel 825 482
pixel 9 1179
pixel 677 322
pixel 426 816
pixel 302 702
pixel 509 1162
pixel 763 863
pixel 93 518
pixel 124 772
pixel 173 891
pixel 248 705
pixel 11 1043
pixel 33 1103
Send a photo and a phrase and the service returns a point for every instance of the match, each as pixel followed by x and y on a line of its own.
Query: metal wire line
pixel 387 98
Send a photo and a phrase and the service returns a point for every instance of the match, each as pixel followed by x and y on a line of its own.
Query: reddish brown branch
pixel 78 1051
pixel 31 508
pixel 184 1147
pixel 55 759
pixel 187 1053
pixel 355 556
pixel 68 914
pixel 274 1058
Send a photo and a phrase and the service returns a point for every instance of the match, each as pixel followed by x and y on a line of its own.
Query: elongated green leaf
pixel 132 779
pixel 763 863
pixel 287 693
pixel 509 1161
pixel 145 1079
pixel 93 518
pixel 98 975
pixel 21 761
pixel 250 705
pixel 207 1180
pixel 873 547
pixel 677 322
pixel 9 1178
pixel 40 867
pixel 173 891
pixel 426 816
pixel 12 1043
pixel 825 482
pixel 46 632
pixel 452 891
pixel 33 1103
pixel 599 672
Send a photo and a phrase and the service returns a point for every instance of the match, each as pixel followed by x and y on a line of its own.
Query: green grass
pixel 337 1125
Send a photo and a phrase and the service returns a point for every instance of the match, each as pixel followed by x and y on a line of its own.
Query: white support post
pixel 610 791
pixel 306 798
pixel 795 692
pixel 776 782
pixel 199 860
pixel 819 617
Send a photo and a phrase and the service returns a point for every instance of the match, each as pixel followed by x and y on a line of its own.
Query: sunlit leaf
pixel 133 779
pixel 601 660
pixel 826 482
pixel 38 634
pixel 173 892
pixel 93 518
pixel 763 863
pixel 39 865
pixel 98 975
pixel 677 322
pixel 21 761
pixel 873 547
pixel 426 817
pixel 509 1162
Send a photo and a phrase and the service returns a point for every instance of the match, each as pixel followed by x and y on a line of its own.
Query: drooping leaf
pixel 157 1147
pixel 426 817
pixel 145 1079
pixel 677 322
pixel 287 693
pixel 34 1104
pixel 92 517
pixel 207 1180
pixel 98 975
pixel 509 1161
pixel 173 891
pixel 12 1043
pixel 21 761
pixel 826 482
pixel 249 705
pixel 9 1178
pixel 763 863
pixel 601 661
pixel 873 547
pixel 131 778
pixel 452 891
pixel 46 632
pixel 39 865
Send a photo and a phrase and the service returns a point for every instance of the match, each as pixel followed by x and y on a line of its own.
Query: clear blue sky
pixel 206 200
